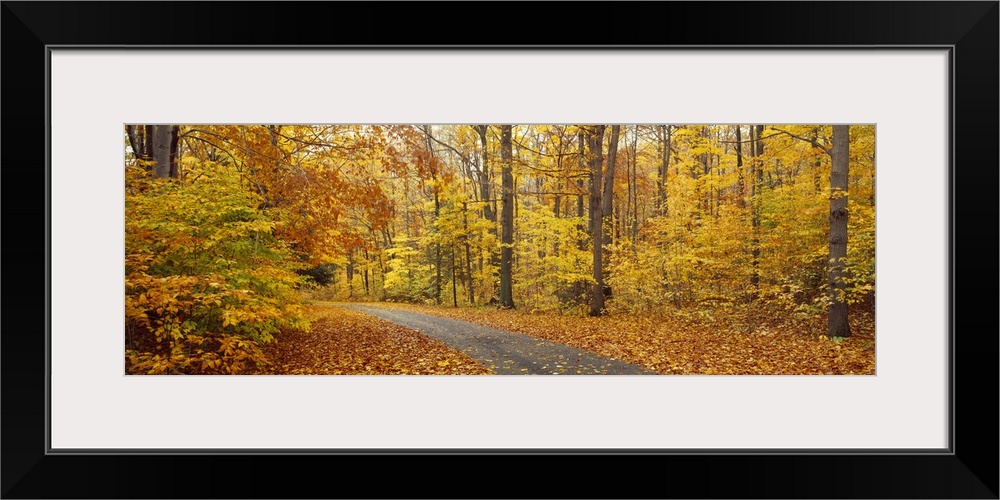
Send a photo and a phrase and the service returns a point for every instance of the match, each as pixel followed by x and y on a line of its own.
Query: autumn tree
pixel 157 146
pixel 839 151
pixel 486 191
pixel 595 139
pixel 665 134
pixel 608 198
pixel 680 217
pixel 756 184
pixel 838 325
pixel 485 176
pixel 506 218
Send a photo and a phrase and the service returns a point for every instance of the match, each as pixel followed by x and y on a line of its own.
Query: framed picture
pixel 924 74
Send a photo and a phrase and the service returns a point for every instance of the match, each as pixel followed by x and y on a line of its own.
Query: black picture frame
pixel 969 470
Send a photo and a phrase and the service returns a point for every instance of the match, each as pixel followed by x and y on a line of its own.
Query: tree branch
pixel 814 143
pixel 551 155
pixel 313 143
pixel 459 153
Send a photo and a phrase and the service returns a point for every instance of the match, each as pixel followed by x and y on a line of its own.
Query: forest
pixel 637 248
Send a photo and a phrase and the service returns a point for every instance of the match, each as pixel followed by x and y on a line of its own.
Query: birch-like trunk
pixel 162 151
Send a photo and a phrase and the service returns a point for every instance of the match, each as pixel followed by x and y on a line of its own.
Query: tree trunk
pixel 596 138
pixel 838 326
pixel 134 140
pixel 559 181
pixel 468 255
pixel 486 195
pixel 635 188
pixel 437 214
pixel 580 163
pixel 660 174
pixel 706 160
pixel 147 142
pixel 741 179
pixel 484 177
pixel 365 275
pixel 350 273
pixel 454 287
pixel 163 149
pixel 817 179
pixel 175 170
pixel 608 200
pixel 756 177
pixel 507 220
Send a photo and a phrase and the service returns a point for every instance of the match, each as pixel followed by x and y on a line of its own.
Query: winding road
pixel 506 353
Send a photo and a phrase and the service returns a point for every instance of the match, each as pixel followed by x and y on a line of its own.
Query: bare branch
pixel 814 143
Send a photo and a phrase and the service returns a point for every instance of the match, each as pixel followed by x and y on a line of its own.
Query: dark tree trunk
pixel 661 173
pixel 559 182
pixel 437 272
pixel 164 146
pixel 706 161
pixel 350 274
pixel 175 171
pixel 817 178
pixel 486 194
pixel 595 140
pixel 661 181
pixel 365 275
pixel 454 287
pixel 437 214
pixel 484 176
pixel 507 219
pixel 147 142
pixel 135 140
pixel 468 255
pixel 381 264
pixel 580 164
pixel 838 326
pixel 635 188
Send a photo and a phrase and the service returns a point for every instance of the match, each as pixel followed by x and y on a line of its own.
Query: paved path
pixel 505 352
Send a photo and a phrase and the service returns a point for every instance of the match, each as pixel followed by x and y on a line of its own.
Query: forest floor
pixel 504 352
pixel 344 342
pixel 684 345
pixel 355 339
pixel 388 338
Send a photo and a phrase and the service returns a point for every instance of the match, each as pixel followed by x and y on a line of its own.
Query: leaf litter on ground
pixel 670 344
pixel 344 342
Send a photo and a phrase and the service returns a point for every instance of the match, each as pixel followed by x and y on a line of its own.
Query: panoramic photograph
pixel 491 249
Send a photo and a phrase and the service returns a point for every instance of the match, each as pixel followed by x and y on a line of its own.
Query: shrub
pixel 206 281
